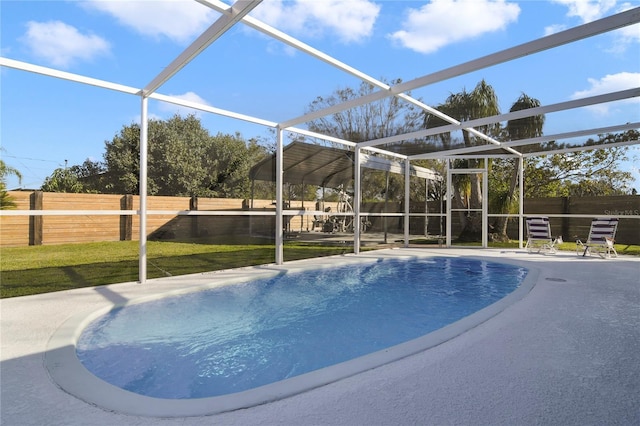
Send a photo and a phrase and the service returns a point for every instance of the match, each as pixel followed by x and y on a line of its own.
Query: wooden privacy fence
pixel 625 207
pixel 82 228
pixel 59 229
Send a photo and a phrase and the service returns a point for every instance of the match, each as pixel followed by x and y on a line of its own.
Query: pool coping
pixel 65 369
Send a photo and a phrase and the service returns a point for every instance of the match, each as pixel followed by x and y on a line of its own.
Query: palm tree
pixel 482 101
pixel 6 201
pixel 521 128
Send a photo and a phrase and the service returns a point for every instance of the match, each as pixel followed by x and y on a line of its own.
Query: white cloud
pixel 276 48
pixel 350 20
pixel 590 10
pixel 61 44
pixel 443 22
pixel 150 116
pixel 627 35
pixel 552 29
pixel 177 20
pixel 183 111
pixel 607 84
pixel 587 10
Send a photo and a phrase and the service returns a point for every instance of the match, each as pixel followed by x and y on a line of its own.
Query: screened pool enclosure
pixel 304 157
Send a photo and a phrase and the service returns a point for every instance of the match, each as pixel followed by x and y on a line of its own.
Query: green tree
pixel 299 192
pixel 183 159
pixel 87 178
pixel 482 101
pixel 435 189
pixel 122 160
pixel 504 173
pixel 594 172
pixel 388 117
pixel 63 180
pixel 7 201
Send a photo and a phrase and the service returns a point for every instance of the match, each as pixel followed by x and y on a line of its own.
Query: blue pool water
pixel 242 336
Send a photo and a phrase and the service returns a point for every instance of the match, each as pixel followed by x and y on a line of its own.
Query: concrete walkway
pixel 566 354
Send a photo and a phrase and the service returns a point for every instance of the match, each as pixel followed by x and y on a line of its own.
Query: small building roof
pixel 329 167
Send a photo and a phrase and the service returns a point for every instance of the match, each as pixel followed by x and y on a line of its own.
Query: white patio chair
pixel 539 239
pixel 601 238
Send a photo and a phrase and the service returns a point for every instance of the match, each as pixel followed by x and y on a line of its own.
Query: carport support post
pixel 279 198
pixel 144 128
pixel 357 197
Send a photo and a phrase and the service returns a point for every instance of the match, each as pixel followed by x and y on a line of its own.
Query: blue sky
pixel 47 123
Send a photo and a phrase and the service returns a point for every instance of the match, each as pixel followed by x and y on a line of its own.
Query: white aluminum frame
pixel 238 12
pixel 484 212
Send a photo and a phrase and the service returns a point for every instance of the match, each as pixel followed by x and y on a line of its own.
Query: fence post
pixel 566 209
pixel 193 205
pixel 126 221
pixel 35 222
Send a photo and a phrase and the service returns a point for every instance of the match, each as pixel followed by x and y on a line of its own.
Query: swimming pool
pixel 381 301
pixel 239 337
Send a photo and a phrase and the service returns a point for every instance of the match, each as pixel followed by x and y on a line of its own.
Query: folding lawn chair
pixel 601 238
pixel 539 237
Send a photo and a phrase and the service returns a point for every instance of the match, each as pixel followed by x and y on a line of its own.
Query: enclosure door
pixel 477 213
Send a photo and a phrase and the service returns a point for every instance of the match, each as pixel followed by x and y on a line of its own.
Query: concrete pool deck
pixel 567 353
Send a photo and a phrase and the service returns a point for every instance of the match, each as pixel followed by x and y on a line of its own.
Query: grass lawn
pixel 626 249
pixel 42 269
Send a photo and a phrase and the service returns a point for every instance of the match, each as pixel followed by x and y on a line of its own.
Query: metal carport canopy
pixel 328 167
